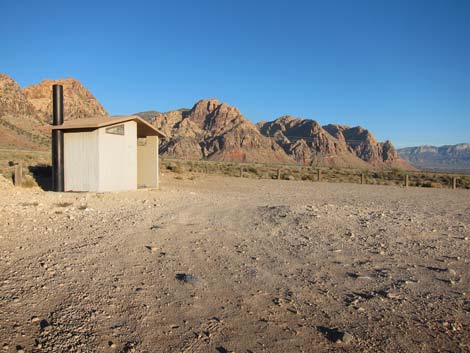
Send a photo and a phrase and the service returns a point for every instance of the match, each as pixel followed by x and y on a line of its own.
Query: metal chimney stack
pixel 57 138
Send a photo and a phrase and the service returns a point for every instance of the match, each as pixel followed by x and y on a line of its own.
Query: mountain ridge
pixel 217 131
pixel 454 158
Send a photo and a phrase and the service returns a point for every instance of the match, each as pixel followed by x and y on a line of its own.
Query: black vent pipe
pixel 57 138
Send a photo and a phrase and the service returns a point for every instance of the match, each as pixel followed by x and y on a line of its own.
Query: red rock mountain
pixel 210 130
pixel 78 101
pixel 216 131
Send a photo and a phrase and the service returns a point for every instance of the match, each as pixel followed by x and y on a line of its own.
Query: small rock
pixel 186 278
pixel 347 338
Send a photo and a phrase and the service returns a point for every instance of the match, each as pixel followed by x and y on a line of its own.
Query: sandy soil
pixel 236 265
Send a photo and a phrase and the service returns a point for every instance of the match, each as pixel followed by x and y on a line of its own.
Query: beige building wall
pixel 110 159
pixel 118 158
pixel 81 163
pixel 147 162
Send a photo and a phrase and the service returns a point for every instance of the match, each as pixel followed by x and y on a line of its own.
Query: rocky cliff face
pixel 363 144
pixel 12 100
pixel 78 101
pixel 331 145
pixel 444 158
pixel 309 143
pixel 216 131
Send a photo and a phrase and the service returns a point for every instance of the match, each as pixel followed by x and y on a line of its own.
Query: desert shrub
pixel 175 168
pixel 430 184
pixel 64 204
pixel 376 175
pixel 252 170
pixel 28 182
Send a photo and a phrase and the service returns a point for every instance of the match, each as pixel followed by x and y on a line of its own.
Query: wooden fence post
pixel 407 181
pixel 454 183
pixel 279 174
pixel 318 175
pixel 362 178
pixel 18 177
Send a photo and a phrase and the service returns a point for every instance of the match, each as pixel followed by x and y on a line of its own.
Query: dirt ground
pixel 220 264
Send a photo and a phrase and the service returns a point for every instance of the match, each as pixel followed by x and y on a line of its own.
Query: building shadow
pixel 42 174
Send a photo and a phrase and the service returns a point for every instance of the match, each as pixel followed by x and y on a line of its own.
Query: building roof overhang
pixel 143 128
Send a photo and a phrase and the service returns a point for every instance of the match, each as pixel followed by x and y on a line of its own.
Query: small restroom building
pixel 109 154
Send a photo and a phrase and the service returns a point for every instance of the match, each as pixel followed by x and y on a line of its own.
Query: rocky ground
pixel 220 264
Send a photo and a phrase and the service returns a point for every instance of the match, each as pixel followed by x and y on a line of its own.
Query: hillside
pixel 25 114
pixel 452 158
pixel 20 127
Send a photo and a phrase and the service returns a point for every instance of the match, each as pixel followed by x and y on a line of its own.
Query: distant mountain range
pixel 444 158
pixel 214 130
pixel 210 130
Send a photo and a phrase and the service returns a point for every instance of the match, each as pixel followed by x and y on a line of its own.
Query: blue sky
pixel 398 68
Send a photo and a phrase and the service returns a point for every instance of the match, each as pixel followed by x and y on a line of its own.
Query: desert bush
pixel 396 172
pixel 376 175
pixel 252 170
pixel 64 204
pixel 430 184
pixel 175 168
pixel 28 182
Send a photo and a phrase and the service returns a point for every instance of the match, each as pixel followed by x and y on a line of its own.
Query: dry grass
pixel 335 175
pixel 36 166
pixel 31 161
